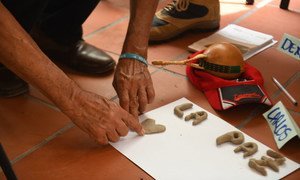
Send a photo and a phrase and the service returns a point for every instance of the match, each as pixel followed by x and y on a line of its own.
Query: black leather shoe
pixel 10 84
pixel 80 56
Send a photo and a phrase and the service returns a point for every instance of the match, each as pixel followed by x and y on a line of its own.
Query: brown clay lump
pixel 235 137
pixel 275 155
pixel 260 164
pixel 249 148
pixel 198 117
pixel 150 127
pixel 178 110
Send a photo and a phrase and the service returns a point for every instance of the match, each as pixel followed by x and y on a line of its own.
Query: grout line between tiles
pixel 41 144
pixel 173 73
pixel 42 102
pixel 105 27
pixel 293 112
pixel 252 11
pixel 252 114
pixel 289 81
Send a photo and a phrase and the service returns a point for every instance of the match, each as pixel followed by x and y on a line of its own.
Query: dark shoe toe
pixel 79 56
pixel 87 58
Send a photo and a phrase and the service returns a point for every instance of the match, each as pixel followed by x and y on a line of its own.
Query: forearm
pixel 141 15
pixel 21 55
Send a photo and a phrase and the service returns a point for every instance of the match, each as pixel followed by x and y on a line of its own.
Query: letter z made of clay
pixel 235 137
pixel 178 110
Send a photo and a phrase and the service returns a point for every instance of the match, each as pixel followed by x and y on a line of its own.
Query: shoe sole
pixel 205 26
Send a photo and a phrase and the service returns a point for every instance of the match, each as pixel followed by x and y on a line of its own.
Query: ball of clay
pixel 225 54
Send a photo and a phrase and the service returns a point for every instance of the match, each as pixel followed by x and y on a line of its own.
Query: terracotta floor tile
pixel 100 84
pixel 25 123
pixel 231 10
pixel 292 85
pixel 270 63
pixel 105 13
pixel 294 5
pixel 274 26
pixel 106 39
pixel 167 51
pixel 34 92
pixel 74 155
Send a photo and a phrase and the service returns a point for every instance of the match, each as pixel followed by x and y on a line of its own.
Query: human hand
pixel 102 119
pixel 133 84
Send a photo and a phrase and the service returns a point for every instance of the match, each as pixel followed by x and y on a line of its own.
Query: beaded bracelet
pixel 134 56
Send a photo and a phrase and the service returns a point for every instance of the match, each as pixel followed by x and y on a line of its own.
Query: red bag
pixel 223 94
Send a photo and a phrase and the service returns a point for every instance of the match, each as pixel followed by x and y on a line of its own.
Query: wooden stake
pixel 181 62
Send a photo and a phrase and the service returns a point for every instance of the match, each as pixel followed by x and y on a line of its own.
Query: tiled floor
pixel 42 143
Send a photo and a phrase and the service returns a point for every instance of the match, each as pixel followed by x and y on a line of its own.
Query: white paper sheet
pixel 189 152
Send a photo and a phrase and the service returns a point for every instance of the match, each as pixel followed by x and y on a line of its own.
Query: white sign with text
pixel 290 45
pixel 282 124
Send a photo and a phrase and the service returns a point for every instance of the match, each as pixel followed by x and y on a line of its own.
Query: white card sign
pixel 290 45
pixel 282 124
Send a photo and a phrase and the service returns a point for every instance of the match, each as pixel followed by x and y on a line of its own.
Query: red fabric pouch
pixel 223 94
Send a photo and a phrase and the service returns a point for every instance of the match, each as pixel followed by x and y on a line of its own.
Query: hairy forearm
pixel 141 15
pixel 21 55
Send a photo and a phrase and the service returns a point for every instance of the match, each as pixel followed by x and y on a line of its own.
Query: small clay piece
pixel 266 161
pixel 274 154
pixel 249 148
pixel 280 161
pixel 178 109
pixel 235 137
pixel 198 117
pixel 150 127
pixel 270 163
pixel 258 166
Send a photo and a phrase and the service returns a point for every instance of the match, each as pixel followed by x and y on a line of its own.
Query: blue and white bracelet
pixel 134 56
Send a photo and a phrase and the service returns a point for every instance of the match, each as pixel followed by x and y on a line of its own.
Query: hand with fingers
pixel 133 84
pixel 105 121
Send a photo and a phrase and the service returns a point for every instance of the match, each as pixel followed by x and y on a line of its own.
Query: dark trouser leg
pixel 60 36
pixel 26 12
pixel 62 19
pixel 58 32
